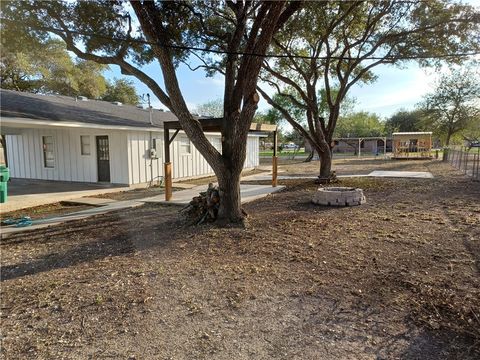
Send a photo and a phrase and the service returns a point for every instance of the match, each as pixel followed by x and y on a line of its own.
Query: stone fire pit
pixel 339 196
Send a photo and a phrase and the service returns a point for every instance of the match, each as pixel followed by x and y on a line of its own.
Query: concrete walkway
pixel 183 197
pixel 5 231
pixel 394 174
pixel 26 193
pixel 402 174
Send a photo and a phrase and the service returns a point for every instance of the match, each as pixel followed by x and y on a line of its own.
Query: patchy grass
pixel 397 277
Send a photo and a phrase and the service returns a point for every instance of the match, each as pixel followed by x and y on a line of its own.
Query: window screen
pixel 85 144
pixel 48 152
pixel 185 146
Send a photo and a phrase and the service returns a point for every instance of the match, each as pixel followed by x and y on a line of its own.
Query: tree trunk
pixel 310 156
pixel 449 135
pixel 325 164
pixel 312 150
pixel 230 201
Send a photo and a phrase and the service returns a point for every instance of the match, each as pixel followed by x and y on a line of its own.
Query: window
pixel 185 147
pixel 85 144
pixel 48 152
pixel 217 144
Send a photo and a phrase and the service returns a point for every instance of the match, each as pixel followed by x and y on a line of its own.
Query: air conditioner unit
pixel 153 154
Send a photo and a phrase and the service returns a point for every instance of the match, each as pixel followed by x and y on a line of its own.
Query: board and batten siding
pixel 184 165
pixel 130 161
pixel 25 155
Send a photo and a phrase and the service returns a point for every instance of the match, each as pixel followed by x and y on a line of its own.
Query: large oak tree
pixel 337 45
pixel 454 105
pixel 131 34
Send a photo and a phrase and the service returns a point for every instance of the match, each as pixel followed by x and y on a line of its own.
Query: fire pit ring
pixel 338 196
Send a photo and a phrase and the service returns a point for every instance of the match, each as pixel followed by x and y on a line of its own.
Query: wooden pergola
pixel 213 125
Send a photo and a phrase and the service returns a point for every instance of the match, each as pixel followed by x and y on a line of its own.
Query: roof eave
pixel 16 121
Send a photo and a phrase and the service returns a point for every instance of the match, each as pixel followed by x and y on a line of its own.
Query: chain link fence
pixel 467 161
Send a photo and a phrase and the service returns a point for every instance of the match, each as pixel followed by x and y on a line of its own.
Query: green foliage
pixel 453 107
pixel 360 124
pixel 45 66
pixel 41 64
pixel 341 43
pixel 121 90
pixel 405 121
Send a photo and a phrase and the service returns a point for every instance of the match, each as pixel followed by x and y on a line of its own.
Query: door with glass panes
pixel 103 159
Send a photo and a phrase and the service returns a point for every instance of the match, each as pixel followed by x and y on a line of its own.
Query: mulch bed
pixel 397 277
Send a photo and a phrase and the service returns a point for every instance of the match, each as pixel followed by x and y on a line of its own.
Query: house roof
pixel 57 108
pixel 412 133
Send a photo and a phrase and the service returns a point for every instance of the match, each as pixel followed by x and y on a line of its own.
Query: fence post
pixel 465 167
pixel 476 166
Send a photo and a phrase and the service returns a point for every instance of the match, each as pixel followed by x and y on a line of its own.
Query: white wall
pixel 183 165
pixel 130 162
pixel 25 155
pixel 139 162
pixel 253 152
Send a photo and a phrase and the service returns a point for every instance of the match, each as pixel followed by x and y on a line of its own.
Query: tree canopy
pixel 132 34
pixel 121 90
pixel 43 65
pixel 360 124
pixel 338 45
pixel 454 104
pixel 212 108
pixel 405 121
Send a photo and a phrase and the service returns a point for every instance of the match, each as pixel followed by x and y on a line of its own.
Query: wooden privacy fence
pixel 466 161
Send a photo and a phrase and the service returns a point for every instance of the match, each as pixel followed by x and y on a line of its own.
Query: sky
pixel 396 88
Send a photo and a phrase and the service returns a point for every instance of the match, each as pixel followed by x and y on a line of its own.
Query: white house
pixel 62 138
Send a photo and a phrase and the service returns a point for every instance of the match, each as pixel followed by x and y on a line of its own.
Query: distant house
pixel 374 145
pixel 62 138
pixel 354 145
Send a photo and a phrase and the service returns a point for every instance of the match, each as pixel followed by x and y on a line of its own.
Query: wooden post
pixel 168 181
pixel 168 165
pixel 274 160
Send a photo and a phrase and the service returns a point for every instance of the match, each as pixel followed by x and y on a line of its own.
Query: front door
pixel 103 159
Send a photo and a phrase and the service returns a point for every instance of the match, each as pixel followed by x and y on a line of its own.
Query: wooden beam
pixel 263 127
pixel 168 181
pixel 274 171
pixel 166 144
pixel 274 160
pixel 173 137
pixel 215 125
pixel 167 174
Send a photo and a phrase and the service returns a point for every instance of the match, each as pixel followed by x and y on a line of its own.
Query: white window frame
pixel 217 143
pixel 89 145
pixel 184 142
pixel 44 153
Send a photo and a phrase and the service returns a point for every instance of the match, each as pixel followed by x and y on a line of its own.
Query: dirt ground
pixel 133 194
pixel 212 179
pixel 396 278
pixel 349 166
pixel 45 211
